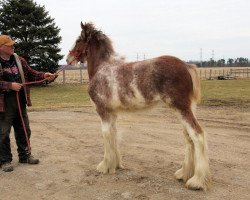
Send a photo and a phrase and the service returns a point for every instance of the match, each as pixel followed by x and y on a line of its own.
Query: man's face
pixel 8 50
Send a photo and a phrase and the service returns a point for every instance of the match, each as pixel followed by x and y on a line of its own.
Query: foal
pixel 115 85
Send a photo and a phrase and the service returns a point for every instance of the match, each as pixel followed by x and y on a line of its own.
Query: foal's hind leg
pixel 201 178
pixel 187 169
pixel 112 159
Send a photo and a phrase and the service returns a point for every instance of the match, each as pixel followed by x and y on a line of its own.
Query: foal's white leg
pixel 202 177
pixel 117 151
pixel 187 169
pixel 112 159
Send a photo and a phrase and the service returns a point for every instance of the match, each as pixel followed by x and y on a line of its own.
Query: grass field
pixel 57 96
pixel 234 93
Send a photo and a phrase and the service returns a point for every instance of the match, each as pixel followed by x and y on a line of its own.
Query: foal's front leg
pixel 112 159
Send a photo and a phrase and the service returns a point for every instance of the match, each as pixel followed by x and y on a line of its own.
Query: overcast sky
pixel 150 28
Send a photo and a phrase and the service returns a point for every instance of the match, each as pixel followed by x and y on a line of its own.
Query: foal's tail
pixel 192 69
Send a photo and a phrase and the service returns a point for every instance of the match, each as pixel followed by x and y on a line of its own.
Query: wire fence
pixel 81 75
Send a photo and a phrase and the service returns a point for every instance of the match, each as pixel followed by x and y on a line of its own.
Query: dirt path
pixel 69 145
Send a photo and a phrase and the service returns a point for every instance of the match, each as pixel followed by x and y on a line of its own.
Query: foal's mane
pixel 97 41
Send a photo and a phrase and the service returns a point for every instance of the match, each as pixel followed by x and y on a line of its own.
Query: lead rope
pixel 20 110
pixel 24 126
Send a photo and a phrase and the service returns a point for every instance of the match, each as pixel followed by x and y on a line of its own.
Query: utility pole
pixel 212 59
pixel 137 56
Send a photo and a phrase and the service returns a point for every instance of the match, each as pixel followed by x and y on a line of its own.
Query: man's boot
pixel 7 167
pixel 30 160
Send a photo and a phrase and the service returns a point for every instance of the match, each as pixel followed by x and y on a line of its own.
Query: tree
pixel 211 62
pixel 230 62
pixel 221 62
pixel 36 35
pixel 241 61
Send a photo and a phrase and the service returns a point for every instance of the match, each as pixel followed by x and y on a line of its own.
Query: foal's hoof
pixel 120 166
pixel 179 174
pixel 195 183
pixel 103 168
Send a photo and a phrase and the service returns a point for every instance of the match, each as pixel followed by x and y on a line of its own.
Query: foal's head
pixel 90 41
pixel 79 51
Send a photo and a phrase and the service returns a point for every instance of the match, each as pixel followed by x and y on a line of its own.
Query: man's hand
pixel 16 86
pixel 48 76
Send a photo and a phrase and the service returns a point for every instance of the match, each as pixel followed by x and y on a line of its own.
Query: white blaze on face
pixel 70 58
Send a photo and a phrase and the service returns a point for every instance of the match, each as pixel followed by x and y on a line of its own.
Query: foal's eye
pixel 77 41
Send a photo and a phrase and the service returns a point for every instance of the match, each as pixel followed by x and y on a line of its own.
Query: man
pixel 14 71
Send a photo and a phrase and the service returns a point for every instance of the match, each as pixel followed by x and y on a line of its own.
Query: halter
pixel 77 55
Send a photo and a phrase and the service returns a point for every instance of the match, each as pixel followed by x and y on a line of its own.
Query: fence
pixel 73 76
pixel 81 75
pixel 223 73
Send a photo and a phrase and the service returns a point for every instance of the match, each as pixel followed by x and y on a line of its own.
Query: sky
pixel 142 29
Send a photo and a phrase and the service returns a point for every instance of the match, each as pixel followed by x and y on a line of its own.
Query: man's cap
pixel 6 40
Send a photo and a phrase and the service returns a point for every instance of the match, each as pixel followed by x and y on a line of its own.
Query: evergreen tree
pixel 36 35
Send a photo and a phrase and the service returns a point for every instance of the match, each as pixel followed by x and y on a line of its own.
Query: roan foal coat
pixel 115 85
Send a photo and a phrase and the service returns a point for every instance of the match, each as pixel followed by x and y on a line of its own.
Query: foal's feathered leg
pixel 187 169
pixel 202 177
pixel 117 151
pixel 112 159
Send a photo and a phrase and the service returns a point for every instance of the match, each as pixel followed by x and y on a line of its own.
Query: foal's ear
pixel 82 26
pixel 83 31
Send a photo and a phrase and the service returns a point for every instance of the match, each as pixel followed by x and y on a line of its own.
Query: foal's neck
pixel 94 64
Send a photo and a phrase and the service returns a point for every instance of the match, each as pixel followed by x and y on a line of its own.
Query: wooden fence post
pixel 81 75
pixel 64 76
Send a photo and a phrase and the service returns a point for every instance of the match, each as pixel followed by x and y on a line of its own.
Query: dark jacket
pixel 29 75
